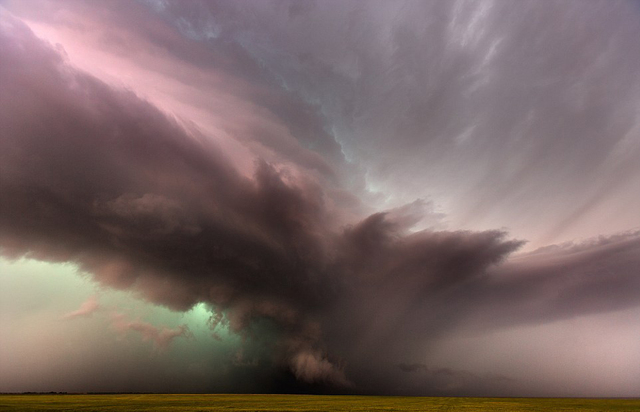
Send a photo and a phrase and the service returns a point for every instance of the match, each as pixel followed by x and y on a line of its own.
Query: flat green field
pixel 302 403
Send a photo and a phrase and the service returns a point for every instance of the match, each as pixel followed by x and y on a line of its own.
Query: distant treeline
pixel 77 393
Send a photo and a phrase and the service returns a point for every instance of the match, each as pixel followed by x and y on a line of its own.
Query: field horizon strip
pixel 309 403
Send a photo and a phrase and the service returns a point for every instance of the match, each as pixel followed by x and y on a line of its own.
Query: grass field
pixel 302 403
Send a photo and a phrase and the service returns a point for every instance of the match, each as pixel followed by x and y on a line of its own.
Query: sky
pixel 373 197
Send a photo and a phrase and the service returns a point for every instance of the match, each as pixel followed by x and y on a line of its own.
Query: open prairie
pixel 150 402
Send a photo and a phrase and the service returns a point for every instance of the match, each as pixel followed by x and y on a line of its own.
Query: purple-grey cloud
pixel 498 111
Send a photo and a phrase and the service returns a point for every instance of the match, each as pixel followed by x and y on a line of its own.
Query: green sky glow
pixel 34 297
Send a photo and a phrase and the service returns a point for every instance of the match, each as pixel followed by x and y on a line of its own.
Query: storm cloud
pixel 269 166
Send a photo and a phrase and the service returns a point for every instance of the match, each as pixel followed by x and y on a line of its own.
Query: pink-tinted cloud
pixel 86 309
pixel 161 337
